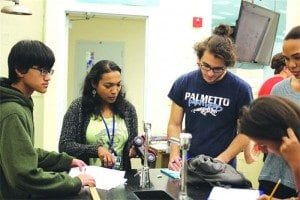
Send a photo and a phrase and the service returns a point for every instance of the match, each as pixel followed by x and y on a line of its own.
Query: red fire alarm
pixel 197 22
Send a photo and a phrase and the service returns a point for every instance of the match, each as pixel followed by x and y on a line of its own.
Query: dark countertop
pixel 158 181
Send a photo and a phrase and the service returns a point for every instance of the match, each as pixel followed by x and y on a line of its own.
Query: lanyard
pixel 111 139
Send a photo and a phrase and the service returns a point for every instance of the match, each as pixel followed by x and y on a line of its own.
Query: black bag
pixel 203 169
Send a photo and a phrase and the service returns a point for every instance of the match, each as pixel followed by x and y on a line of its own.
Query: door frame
pixel 56 37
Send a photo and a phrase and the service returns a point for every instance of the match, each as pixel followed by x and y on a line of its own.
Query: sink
pixel 153 195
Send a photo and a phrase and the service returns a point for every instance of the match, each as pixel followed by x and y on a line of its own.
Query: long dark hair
pixel 278 63
pixel 269 117
pixel 92 104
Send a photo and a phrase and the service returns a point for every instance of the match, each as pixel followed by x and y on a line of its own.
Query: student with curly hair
pixel 209 98
pixel 273 122
pixel 280 72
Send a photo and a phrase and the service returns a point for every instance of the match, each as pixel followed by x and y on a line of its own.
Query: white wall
pixel 292 14
pixel 170 53
pixel 18 27
pixel 126 30
pixel 169 41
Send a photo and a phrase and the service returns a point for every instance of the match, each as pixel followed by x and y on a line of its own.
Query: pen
pixel 274 189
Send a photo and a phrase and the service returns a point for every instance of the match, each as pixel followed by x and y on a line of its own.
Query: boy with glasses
pixel 25 171
pixel 210 99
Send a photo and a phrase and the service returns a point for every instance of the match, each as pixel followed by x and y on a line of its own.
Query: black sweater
pixel 73 133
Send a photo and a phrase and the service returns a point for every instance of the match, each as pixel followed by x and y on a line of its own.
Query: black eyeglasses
pixel 43 71
pixel 207 67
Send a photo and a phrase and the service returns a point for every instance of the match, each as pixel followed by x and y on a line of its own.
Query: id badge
pixel 118 160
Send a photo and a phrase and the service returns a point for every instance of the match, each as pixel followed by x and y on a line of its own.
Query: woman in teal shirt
pixel 100 126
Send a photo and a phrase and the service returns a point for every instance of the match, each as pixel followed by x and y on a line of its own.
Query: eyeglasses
pixel 43 71
pixel 206 67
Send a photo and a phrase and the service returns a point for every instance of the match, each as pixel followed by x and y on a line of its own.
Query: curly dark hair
pixel 91 104
pixel 220 44
pixel 277 63
pixel 269 117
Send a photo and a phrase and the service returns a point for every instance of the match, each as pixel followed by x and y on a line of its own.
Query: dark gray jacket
pixel 73 134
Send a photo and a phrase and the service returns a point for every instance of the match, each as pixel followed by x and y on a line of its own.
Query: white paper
pixel 160 146
pixel 220 193
pixel 105 178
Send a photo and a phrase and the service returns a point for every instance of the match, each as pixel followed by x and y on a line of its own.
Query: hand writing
pixel 175 164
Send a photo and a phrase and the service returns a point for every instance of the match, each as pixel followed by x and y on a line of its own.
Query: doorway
pixel 117 38
pixel 88 52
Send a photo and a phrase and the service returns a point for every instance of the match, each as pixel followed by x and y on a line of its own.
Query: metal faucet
pixel 184 142
pixel 144 172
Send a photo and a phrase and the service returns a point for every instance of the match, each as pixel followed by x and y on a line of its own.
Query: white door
pixel 90 52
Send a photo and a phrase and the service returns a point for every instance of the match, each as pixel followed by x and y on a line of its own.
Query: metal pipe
pixel 184 142
pixel 144 172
